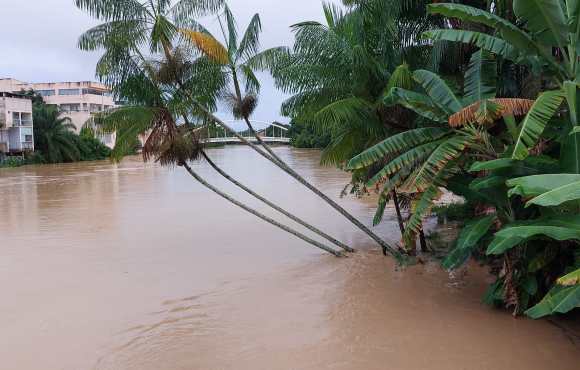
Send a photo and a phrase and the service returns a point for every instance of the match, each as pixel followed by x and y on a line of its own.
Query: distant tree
pixel 53 135
pixel 37 99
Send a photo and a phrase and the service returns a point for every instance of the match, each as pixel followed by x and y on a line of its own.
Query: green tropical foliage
pixel 54 136
pixel 423 159
pixel 415 100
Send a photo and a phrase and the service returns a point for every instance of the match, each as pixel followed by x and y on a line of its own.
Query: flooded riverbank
pixel 133 266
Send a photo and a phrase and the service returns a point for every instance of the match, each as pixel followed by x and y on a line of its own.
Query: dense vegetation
pixel 476 98
pixel 55 140
pixel 305 136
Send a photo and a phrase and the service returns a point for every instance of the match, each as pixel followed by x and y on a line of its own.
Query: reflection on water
pixel 134 266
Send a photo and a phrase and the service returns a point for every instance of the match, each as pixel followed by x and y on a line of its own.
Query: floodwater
pixel 134 266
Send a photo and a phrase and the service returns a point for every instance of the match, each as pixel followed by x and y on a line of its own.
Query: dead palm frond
pixel 208 45
pixel 490 110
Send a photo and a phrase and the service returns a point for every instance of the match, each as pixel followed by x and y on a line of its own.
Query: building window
pixel 45 92
pixel 26 119
pixel 70 107
pixel 69 92
pixel 93 92
pixel 96 108
pixel 16 119
pixel 28 138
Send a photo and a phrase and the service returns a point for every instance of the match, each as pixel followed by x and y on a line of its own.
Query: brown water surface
pixel 133 266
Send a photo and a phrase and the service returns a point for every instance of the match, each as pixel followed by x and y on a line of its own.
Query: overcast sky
pixel 38 40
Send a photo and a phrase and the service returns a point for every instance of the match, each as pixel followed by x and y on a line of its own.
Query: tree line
pixel 55 139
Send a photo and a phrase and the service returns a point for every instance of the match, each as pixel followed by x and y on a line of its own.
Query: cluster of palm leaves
pixel 417 99
pixel 523 173
pixel 172 72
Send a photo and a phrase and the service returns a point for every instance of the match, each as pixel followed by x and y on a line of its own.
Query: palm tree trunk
pixel 260 215
pixel 272 157
pixel 280 163
pixel 398 210
pixel 274 206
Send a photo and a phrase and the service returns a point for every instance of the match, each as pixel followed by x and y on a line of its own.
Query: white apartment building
pixel 16 126
pixel 76 100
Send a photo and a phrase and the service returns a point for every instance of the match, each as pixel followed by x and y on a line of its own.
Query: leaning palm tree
pixel 133 26
pixel 153 107
pixel 138 25
pixel 239 59
pixel 54 135
pixel 337 72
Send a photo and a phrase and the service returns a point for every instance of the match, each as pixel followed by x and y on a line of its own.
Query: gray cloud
pixel 39 37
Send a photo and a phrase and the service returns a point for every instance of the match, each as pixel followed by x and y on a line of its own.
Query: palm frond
pixel 232 32
pixel 208 45
pixel 421 104
pixel 401 78
pixel 490 110
pixel 405 162
pixel 449 150
pixel 110 10
pixel 535 122
pixel 438 91
pixel 250 43
pixel 482 40
pixel 480 78
pixel 184 10
pixel 396 144
pixel 252 82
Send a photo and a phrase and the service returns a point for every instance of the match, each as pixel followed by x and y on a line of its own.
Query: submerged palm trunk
pixel 260 215
pixel 276 207
pixel 272 157
pixel 280 163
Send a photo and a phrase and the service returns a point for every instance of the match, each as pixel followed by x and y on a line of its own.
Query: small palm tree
pixel 54 135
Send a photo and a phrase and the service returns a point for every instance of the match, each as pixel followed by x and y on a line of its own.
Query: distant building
pixel 76 100
pixel 16 126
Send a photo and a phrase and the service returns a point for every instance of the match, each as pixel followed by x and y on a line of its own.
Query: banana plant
pixel 548 41
pixel 422 160
pixel 558 198
pixel 532 229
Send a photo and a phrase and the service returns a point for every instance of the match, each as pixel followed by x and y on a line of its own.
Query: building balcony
pixel 22 123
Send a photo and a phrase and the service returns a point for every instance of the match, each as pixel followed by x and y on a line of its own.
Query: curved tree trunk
pixel 280 163
pixel 260 215
pixel 272 157
pixel 276 207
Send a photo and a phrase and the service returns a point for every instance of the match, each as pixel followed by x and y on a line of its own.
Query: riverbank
pixel 133 266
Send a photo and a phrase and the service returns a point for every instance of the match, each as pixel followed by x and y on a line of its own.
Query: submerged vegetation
pixel 415 100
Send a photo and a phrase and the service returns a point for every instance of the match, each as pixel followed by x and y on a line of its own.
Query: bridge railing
pixel 272 133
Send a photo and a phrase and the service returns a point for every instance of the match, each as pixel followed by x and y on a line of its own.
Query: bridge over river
pixel 273 133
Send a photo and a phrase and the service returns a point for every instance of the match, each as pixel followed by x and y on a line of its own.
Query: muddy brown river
pixel 134 266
